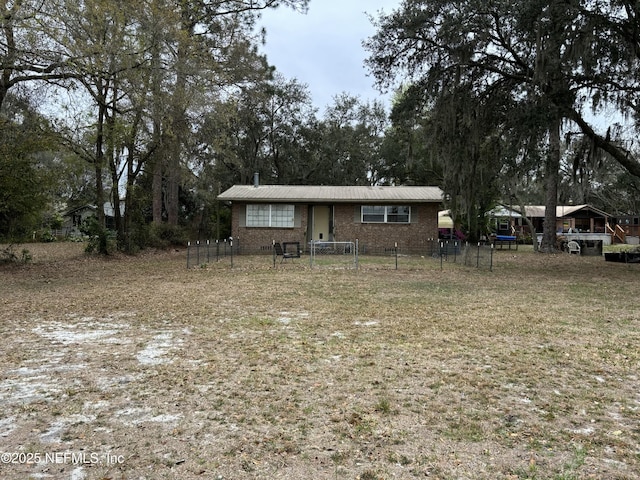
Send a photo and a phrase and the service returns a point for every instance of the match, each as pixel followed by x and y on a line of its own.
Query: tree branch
pixel 622 156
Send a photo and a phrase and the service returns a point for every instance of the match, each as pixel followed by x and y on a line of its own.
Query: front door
pixel 321 223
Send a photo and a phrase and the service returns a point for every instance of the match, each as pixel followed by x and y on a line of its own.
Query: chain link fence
pixel 207 251
pixel 345 255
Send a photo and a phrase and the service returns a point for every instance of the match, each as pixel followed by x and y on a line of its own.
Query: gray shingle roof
pixel 321 194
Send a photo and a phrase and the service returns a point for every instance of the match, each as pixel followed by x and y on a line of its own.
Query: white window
pixel 386 214
pixel 276 216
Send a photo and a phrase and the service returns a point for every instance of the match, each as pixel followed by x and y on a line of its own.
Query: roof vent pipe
pixel 256 180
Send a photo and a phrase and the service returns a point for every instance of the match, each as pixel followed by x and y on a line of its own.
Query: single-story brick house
pixel 377 216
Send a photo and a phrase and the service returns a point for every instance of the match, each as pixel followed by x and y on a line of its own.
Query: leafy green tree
pixel 549 60
pixel 263 132
pixel 590 175
pixel 458 139
pixel 212 46
pixel 155 70
pixel 349 147
pixel 405 151
pixel 29 47
pixel 101 36
pixel 272 129
pixel 148 72
pixel 26 178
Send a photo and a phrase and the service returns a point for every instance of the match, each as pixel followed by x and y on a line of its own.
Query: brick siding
pixel 372 237
pixel 376 236
pixel 255 239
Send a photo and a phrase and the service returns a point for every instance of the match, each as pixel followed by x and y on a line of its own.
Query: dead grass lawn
pixel 137 368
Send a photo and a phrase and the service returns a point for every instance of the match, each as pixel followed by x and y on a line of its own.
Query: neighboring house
pixel 630 225
pixel 377 217
pixel 73 218
pixel 569 219
pixel 506 221
pixel 583 223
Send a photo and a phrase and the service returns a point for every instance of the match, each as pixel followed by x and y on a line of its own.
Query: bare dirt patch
pixel 135 367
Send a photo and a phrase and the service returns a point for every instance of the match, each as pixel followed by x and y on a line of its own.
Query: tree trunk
pixel 128 202
pixel 532 228
pixel 156 160
pixel 115 198
pixel 10 55
pixel 156 186
pixel 177 125
pixel 552 169
pixel 113 162
pixel 99 162
pixel 173 185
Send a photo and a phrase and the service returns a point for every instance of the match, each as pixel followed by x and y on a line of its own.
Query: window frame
pixel 387 214
pixel 278 215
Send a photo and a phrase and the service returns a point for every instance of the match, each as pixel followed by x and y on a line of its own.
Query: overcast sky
pixel 323 48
